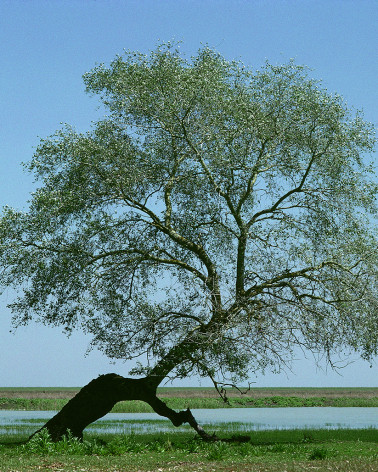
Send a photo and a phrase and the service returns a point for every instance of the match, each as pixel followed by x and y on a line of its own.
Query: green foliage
pixel 40 443
pixel 32 404
pixel 136 406
pixel 217 451
pixel 217 217
pixel 319 453
pixel 265 446
pixel 123 444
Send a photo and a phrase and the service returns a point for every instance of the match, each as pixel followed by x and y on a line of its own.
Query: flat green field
pixel 264 451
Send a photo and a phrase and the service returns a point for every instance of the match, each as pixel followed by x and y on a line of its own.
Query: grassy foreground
pixel 270 451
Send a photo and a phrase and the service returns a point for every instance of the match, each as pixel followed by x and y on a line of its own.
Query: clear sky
pixel 46 46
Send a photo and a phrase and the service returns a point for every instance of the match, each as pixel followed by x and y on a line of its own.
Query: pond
pixel 237 419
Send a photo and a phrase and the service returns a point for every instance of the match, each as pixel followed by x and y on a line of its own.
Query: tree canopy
pixel 216 218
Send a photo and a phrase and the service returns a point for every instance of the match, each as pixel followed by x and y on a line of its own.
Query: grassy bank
pixel 45 404
pixel 266 451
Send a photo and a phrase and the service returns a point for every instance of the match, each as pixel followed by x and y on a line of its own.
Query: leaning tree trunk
pixel 99 396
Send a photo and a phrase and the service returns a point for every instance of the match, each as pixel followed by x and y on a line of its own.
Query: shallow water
pixel 238 419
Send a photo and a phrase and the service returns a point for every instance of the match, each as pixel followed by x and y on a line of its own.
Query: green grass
pixel 39 404
pixel 273 451
pixel 136 406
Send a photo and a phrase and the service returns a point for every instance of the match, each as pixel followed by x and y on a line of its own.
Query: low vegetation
pixel 295 450
pixel 136 406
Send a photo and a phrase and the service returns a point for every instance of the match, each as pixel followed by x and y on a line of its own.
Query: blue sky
pixel 46 46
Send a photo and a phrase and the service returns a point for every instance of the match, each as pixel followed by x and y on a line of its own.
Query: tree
pixel 217 218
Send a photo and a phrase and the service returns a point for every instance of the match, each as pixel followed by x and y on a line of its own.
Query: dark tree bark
pixel 99 396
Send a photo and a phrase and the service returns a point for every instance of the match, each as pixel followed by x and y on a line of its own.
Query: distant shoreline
pixel 53 398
